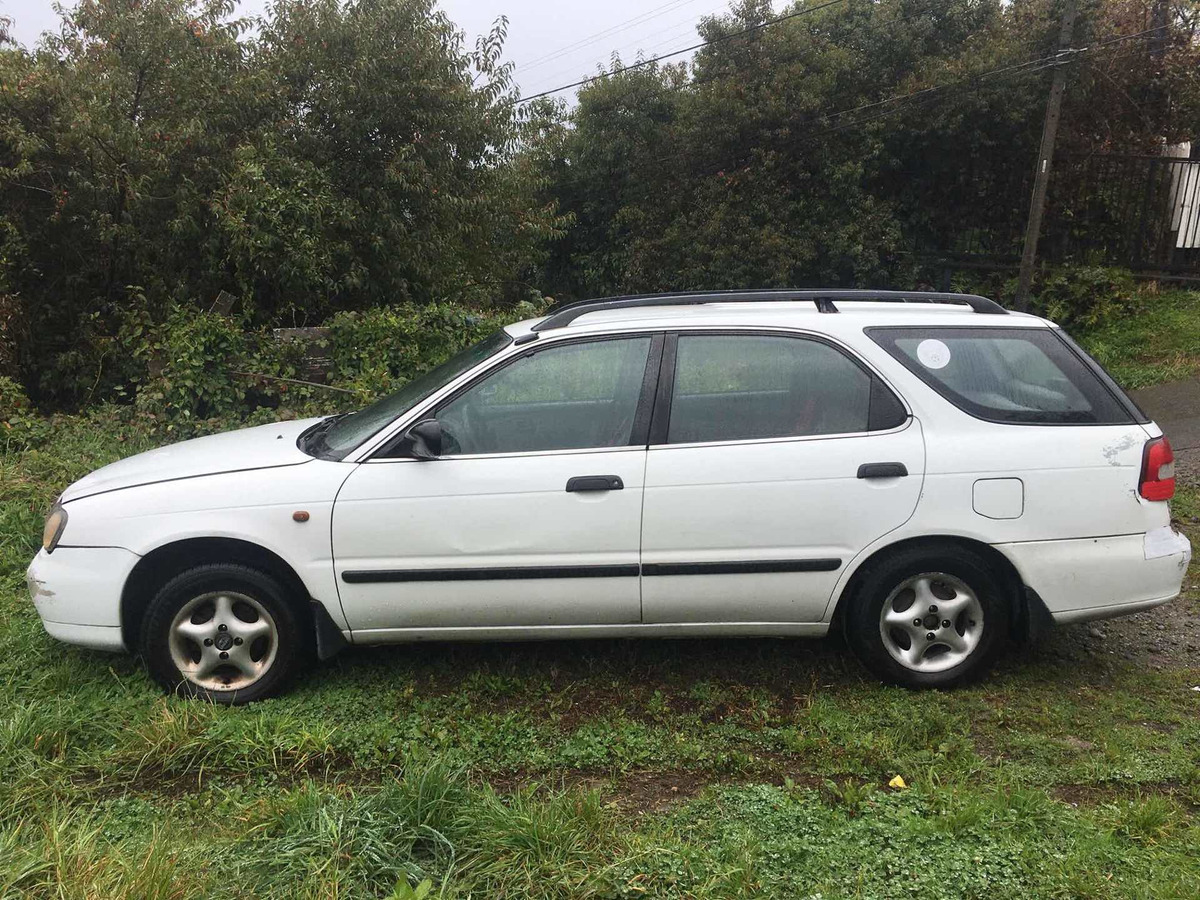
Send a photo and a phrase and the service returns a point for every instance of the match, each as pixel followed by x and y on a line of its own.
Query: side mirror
pixel 423 440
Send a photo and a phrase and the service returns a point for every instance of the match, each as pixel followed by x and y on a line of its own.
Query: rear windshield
pixel 1024 376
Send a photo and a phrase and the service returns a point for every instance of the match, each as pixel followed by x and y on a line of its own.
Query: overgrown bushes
pixel 1085 296
pixel 1078 297
pixel 199 366
pixel 378 348
pixel 17 415
pixel 336 156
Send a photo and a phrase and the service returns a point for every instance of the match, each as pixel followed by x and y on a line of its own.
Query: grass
pixel 702 769
pixel 1159 342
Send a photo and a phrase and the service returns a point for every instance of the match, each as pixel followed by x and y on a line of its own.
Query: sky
pixel 552 42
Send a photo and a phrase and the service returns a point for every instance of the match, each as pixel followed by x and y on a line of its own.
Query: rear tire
pixel 928 617
pixel 224 633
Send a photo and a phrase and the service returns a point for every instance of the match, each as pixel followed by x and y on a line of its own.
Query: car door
pixel 774 458
pixel 531 515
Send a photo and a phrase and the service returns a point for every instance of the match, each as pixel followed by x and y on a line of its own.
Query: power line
pixel 1031 66
pixel 646 62
pixel 647 16
pixel 900 102
pixel 687 33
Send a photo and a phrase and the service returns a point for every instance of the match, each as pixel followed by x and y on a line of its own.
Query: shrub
pixel 190 363
pixel 12 325
pixel 375 351
pixel 199 367
pixel 13 401
pixel 19 422
pixel 1085 295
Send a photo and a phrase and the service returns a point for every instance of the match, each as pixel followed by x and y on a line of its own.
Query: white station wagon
pixel 927 472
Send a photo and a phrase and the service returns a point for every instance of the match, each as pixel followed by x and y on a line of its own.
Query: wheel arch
pixel 1028 614
pixel 161 564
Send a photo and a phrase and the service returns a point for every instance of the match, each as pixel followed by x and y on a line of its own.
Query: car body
pixel 733 464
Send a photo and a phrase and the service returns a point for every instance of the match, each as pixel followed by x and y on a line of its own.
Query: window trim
pixel 1136 416
pixel 666 388
pixel 641 416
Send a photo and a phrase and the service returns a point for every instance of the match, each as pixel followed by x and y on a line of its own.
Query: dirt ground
pixel 1166 637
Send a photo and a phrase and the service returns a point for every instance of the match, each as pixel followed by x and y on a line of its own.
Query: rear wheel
pixel 225 633
pixel 928 617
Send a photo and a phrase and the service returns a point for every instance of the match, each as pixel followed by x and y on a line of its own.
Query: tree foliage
pixel 163 162
pixel 156 153
pixel 784 158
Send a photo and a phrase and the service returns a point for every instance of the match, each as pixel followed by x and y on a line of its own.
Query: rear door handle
pixel 582 483
pixel 882 470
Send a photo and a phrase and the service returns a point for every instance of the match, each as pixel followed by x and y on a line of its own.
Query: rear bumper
pixel 1098 578
pixel 1092 613
pixel 77 593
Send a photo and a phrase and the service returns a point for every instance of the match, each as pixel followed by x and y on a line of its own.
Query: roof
pixel 824 311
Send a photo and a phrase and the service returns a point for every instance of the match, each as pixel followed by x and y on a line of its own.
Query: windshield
pixel 334 438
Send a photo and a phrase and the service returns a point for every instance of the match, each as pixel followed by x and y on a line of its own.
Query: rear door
pixel 774 458
pixel 532 514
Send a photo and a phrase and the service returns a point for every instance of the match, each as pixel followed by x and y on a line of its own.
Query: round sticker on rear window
pixel 933 354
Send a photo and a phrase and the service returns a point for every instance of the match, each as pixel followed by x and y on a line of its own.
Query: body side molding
pixel 516 573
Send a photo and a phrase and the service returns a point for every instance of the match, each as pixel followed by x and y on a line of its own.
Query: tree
pixel 156 153
pixel 832 147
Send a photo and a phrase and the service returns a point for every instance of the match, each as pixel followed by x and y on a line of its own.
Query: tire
pixel 958 599
pixel 228 609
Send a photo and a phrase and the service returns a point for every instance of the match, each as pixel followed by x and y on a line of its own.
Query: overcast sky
pixel 552 42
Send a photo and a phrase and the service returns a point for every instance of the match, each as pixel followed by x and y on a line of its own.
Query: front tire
pixel 224 633
pixel 928 617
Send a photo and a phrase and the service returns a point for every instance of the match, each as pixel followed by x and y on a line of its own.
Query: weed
pixel 421 771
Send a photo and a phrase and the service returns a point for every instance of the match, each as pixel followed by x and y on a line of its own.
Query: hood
pixel 264 447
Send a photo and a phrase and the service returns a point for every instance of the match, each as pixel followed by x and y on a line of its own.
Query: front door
pixel 773 460
pixel 531 516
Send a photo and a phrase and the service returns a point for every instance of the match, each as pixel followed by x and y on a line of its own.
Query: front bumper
pixel 1098 578
pixel 77 593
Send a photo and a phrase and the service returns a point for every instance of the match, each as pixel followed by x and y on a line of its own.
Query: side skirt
pixel 568 632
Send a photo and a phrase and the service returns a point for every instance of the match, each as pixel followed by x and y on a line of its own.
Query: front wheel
pixel 928 618
pixel 225 633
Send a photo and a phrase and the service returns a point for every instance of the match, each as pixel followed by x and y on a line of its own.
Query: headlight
pixel 55 523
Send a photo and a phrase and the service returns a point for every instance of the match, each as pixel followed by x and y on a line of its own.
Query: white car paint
pixel 1078 536
pixel 490 512
pixel 264 447
pixel 758 501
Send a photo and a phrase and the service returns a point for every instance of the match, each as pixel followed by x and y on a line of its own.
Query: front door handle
pixel 882 470
pixel 581 483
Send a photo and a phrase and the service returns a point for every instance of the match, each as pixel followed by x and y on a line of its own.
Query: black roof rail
pixel 825 300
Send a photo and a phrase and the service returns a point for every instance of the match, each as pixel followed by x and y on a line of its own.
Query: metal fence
pixel 1138 212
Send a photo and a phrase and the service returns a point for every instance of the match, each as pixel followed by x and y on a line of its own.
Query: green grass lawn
pixel 1158 342
pixel 597 769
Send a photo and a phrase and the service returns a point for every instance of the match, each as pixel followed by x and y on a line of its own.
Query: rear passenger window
pixel 1013 375
pixel 746 387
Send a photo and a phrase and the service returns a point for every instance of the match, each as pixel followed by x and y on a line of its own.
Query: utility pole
pixel 1160 18
pixel 1041 178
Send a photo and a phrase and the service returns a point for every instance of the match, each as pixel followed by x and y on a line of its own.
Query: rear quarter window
pixel 1022 376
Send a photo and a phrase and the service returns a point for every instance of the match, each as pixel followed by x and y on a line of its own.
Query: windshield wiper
pixel 313 440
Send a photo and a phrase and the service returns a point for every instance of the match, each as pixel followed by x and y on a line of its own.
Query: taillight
pixel 1158 470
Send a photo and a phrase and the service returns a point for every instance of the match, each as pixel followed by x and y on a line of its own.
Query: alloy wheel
pixel 223 641
pixel 931 622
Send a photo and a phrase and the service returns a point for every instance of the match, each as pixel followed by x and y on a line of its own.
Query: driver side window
pixel 569 397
